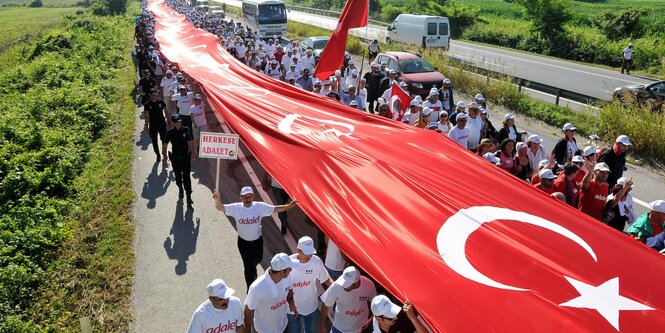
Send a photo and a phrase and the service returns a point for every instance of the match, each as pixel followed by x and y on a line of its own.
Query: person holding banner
pixel 180 138
pixel 248 214
pixel 199 122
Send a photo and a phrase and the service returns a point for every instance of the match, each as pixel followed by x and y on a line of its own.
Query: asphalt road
pixel 579 78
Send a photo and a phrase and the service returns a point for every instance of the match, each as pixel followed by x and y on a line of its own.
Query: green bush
pixel 56 104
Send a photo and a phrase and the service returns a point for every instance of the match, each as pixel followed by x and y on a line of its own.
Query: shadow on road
pixel 144 140
pixel 155 185
pixel 181 242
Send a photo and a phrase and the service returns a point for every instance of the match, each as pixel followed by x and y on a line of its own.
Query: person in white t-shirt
pixel 434 104
pixel 389 317
pixel 305 280
pixel 335 260
pixel 248 214
pixel 270 297
pixel 221 313
pixel 183 101
pixel 351 295
pixel 199 122
pixel 474 124
pixel 414 115
pixel 443 125
pixel 627 58
pixel 460 133
pixel 165 86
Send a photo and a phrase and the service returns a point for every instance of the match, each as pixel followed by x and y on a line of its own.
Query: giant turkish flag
pixel 474 248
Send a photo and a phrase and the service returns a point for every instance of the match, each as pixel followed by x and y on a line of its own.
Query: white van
pixel 202 5
pixel 423 30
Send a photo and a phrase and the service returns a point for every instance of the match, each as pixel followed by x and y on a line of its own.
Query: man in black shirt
pixel 154 112
pixel 145 84
pixel 182 143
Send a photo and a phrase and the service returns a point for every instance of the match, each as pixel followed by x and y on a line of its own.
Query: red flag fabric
pixel 354 15
pixel 399 101
pixel 472 247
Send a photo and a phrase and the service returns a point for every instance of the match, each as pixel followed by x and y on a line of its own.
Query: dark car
pixel 317 43
pixel 643 94
pixel 414 70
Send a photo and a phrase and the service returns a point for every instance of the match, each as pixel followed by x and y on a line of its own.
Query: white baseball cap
pixel 461 104
pixel 657 206
pixel 491 158
pixel 218 288
pixel 623 139
pixel 520 145
pixel 622 181
pixel 306 245
pixel 414 103
pixel 246 190
pixel 460 116
pixel 351 62
pixel 381 101
pixel 535 139
pixel 546 174
pixel 198 96
pixel 473 105
pixel 383 307
pixel 543 163
pixel 589 150
pixel 354 72
pixel 447 81
pixel 479 97
pixel 508 116
pixel 353 103
pixel 348 277
pixel 601 166
pixel 433 91
pixel 577 159
pixel 282 261
pixel 569 127
pixel 403 84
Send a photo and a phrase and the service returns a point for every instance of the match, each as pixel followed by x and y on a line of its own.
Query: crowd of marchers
pixel 286 297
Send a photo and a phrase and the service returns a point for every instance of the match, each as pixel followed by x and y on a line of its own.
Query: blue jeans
pixel 311 322
pixel 334 330
pixel 334 275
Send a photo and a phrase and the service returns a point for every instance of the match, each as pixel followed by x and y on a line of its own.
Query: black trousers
pixel 156 129
pixel 251 253
pixel 281 198
pixel 182 168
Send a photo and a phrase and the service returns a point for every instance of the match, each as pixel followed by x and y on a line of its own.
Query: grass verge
pixel 66 231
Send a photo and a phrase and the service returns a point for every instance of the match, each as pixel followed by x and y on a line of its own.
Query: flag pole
pixel 362 59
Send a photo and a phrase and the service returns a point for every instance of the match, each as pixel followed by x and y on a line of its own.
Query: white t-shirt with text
pixel 248 220
pixel 268 301
pixel 198 113
pixel 460 136
pixel 351 308
pixel 304 280
pixel 207 318
pixel 184 102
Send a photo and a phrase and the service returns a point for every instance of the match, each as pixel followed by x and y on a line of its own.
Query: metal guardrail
pixel 329 13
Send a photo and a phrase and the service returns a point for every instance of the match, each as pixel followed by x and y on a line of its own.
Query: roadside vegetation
pixel 586 31
pixel 610 120
pixel 66 231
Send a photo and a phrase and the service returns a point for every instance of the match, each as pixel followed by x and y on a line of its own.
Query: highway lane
pixel 579 78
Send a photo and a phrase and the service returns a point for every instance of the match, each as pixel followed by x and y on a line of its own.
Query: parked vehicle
pixel 414 70
pixel 317 43
pixel 423 30
pixel 642 94
pixel 267 17
pixel 217 10
pixel 202 5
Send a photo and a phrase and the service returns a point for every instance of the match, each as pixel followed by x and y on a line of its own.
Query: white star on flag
pixel 605 299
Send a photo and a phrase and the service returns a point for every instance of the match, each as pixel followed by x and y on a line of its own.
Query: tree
pixel 461 16
pixel 548 17
pixel 624 24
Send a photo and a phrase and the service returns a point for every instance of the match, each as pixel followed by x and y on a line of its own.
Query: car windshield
pixel 415 66
pixel 320 44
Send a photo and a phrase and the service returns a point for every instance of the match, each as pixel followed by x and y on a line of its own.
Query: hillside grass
pixel 66 140
pixel 21 25
pixel 46 3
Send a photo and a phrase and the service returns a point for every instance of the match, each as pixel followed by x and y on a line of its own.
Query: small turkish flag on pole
pixel 399 101
pixel 354 15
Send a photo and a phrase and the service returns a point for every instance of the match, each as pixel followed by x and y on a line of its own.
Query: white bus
pixel 423 30
pixel 267 17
